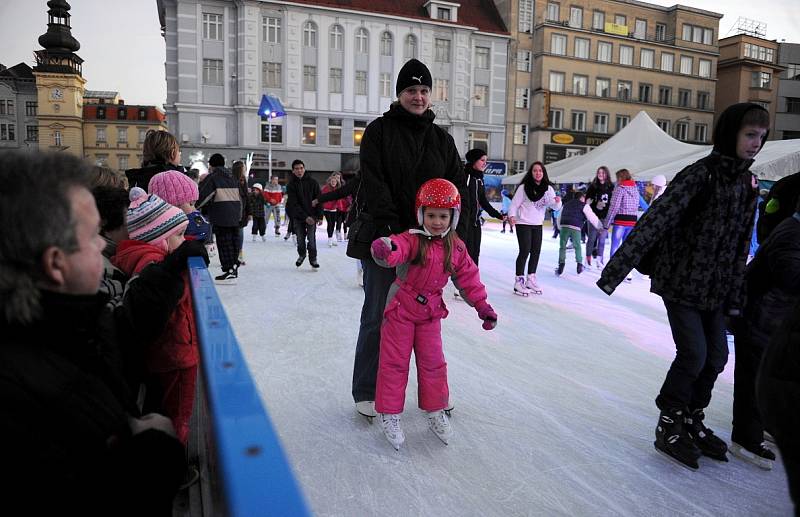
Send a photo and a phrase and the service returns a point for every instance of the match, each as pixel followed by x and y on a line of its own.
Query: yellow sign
pixel 613 28
pixel 563 138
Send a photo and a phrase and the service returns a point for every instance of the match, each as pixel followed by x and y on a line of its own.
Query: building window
pixel 598 20
pixel 31 108
pixel 702 100
pixel 361 82
pixel 212 71
pixel 443 13
pixel 579 121
pixel 335 131
pixel 123 161
pixel 580 84
pixel 271 75
pixel 667 62
pixel 604 50
pixel 576 17
pixel 556 81
pixel 410 47
pixel 640 29
pixel 358 131
pixel 761 80
pixel 142 135
pixel 552 14
pixel 310 35
pixel 681 131
pixel 524 60
pixel 441 89
pixel 558 44
pixel 620 19
pixel 622 121
pixel 101 135
pixel 582 48
pixel 645 92
pixel 482 58
pixel 519 166
pixel 661 32
pixel 6 107
pixel 337 37
pixel 708 36
pixel 793 71
pixel 271 29
pixel 697 34
pixel 523 95
pixel 362 41
pixel 704 68
pixel 57 138
pixel 212 26
pixel 309 78
pixel 664 95
pixel 647 58
pixel 686 65
pixel 758 52
pixel 600 123
pixel 624 89
pixel 335 80
pixel 101 113
pixel 700 132
pixel 32 133
pixel 625 55
pixel 122 135
pixel 442 52
pixel 603 87
pixel 7 132
pixel 309 131
pixel 122 114
pixel 792 105
pixel 481 96
pixel 521 134
pixel 387 43
pixel 101 160
pixel 386 84
pixel 663 124
pixel 478 140
pixel 684 98
pixel 526 16
pixel 142 114
pixel 556 118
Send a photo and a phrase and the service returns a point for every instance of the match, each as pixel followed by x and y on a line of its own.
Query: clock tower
pixel 59 84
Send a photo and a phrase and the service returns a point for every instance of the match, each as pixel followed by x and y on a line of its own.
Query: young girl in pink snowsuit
pixel 425 259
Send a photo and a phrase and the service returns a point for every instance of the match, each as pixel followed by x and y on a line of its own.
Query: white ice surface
pixel 554 413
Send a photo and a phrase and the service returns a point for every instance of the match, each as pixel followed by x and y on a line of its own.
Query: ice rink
pixel 554 414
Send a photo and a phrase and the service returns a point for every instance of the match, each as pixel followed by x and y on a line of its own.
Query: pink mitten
pixel 487 314
pixel 382 248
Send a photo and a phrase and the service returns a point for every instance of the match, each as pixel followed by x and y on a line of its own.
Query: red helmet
pixel 438 193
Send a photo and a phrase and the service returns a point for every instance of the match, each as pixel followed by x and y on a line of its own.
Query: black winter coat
pixel 255 204
pixel 476 197
pixel 220 198
pixel 600 196
pixel 299 194
pixel 400 152
pixel 141 177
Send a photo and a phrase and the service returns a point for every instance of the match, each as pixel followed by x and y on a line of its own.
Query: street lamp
pixel 270 107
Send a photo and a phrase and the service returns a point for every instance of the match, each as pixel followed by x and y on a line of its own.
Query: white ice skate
pixel 330 242
pixel 392 431
pixel 520 288
pixel 366 408
pixel 760 455
pixel 440 425
pixel 532 285
pixel 339 236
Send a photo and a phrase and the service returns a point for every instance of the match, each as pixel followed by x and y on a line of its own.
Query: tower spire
pixel 59 45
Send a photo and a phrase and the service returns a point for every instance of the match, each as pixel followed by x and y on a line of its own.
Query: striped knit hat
pixel 151 219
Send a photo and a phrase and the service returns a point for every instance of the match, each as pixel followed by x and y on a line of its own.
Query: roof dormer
pixel 444 11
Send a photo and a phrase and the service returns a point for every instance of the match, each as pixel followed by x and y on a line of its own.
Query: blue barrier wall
pixel 255 475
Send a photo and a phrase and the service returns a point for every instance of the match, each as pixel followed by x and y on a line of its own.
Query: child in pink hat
pixel 179 190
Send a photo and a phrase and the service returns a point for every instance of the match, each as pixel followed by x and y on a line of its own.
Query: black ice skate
pixel 673 441
pixel 709 444
pixel 560 269
pixel 757 454
pixel 580 268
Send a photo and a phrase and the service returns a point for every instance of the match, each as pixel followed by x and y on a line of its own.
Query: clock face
pixel 56 94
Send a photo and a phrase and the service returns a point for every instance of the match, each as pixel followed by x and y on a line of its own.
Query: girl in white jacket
pixel 527 213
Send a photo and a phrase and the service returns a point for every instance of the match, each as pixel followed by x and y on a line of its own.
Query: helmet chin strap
pixel 425 232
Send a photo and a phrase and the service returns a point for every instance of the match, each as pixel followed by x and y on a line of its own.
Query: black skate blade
pixel 716 456
pixel 690 466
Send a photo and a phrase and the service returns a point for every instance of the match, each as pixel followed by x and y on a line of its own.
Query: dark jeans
pixel 506 221
pixel 702 351
pixel 305 232
pixel 377 281
pixel 473 241
pixel 259 225
pixel 747 426
pixel 529 238
pixel 227 238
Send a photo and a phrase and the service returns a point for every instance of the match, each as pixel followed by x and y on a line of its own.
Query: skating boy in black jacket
pixel 301 191
pixel 696 237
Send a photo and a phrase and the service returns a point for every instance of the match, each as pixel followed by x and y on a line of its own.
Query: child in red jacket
pixel 156 228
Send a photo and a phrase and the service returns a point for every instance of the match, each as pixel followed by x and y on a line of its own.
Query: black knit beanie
pixel 473 155
pixel 413 73
pixel 216 160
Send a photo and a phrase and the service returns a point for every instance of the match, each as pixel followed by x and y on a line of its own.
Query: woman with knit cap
pixel 400 151
pixel 475 200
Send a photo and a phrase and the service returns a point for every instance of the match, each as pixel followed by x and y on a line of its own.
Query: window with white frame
pixel 8 133
pixel 523 96
pixel 556 118
pixel 310 78
pixel 481 96
pixel 122 135
pixel 625 55
pixel 686 65
pixel 478 140
pixel 697 34
pixel 443 13
pixel 624 89
pixel 212 26
pixel 667 62
pixel 410 47
pixel 576 17
pixel 482 58
pixel 335 131
pixel 620 19
pixel 441 90
pixel 212 71
pixel 700 132
pixel 524 60
pixel 270 29
pixel 598 20
pixel 101 160
pixel 309 131
pixel 661 32
pixel 336 37
pixel 57 138
pixel 442 50
pixel 101 134
pixel 552 13
pixel 558 44
pixel 358 131
pixel 645 92
pixel 385 81
pixel 142 134
pixel 580 84
pixel 603 87
pixel 663 124
pixel 664 95
pixel 32 107
pixel 310 35
pixel 761 80
pixel 557 81
pixel 519 166
pixel 271 75
pixel 387 44
pixel 681 131
pixel 582 48
pixel 622 121
pixel 601 123
pixel 604 51
pixel 526 16
pixel 702 100
pixel 361 82
pixel 579 121
pixel 362 41
pixel 521 134
pixel 684 98
pixel 647 57
pixel 758 52
pixel 704 68
pixel 708 36
pixel 123 161
pixel 32 133
pixel 335 80
pixel 640 29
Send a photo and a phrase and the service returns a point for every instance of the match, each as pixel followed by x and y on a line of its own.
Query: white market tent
pixel 646 150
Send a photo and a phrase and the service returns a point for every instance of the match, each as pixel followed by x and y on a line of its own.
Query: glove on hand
pixel 310 220
pixel 487 314
pixel 176 261
pixel 382 248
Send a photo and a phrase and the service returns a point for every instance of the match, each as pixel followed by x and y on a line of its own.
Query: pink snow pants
pixel 409 325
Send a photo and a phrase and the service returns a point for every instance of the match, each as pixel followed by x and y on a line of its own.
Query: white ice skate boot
pixel 338 235
pixel 330 242
pixel 366 408
pixel 532 285
pixel 519 287
pixel 263 238
pixel 392 431
pixel 254 237
pixel 440 425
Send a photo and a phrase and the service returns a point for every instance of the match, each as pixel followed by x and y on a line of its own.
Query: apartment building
pixel 598 63
pixel 333 65
pixel 19 127
pixel 787 111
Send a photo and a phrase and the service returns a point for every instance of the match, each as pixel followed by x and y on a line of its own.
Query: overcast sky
pixel 123 50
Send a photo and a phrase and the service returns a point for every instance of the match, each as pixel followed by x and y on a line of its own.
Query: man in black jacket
pixel 475 200
pixel 221 201
pixel 301 191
